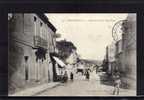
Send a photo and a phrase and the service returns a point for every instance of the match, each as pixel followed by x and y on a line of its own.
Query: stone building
pixel 122 55
pixel 109 62
pixel 119 56
pixel 111 58
pixel 125 53
pixel 129 50
pixel 105 61
pixel 31 41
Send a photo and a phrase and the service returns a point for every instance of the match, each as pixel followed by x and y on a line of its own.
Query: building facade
pixel 111 57
pixel 119 56
pixel 31 40
pixel 122 55
pixel 110 61
pixel 129 51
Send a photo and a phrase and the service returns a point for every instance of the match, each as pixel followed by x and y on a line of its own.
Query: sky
pixel 90 32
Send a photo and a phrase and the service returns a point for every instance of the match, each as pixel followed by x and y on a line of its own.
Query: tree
pixel 65 48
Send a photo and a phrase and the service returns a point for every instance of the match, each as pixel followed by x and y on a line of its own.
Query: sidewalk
pixel 36 90
pixel 107 84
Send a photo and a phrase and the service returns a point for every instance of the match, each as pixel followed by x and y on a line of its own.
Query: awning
pixel 60 62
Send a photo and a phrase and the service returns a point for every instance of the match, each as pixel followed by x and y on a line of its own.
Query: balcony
pixel 40 42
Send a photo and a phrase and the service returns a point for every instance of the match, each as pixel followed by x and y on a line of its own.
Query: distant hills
pixel 97 62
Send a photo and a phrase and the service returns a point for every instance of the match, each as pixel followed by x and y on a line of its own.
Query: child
pixel 117 83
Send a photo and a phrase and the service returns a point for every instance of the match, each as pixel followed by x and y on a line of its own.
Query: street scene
pixel 82 87
pixel 79 54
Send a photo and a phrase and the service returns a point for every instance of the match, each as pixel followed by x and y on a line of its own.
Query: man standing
pixel 65 78
pixel 97 68
pixel 71 76
pixel 87 75
pixel 117 83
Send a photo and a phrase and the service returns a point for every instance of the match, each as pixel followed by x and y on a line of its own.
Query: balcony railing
pixel 40 42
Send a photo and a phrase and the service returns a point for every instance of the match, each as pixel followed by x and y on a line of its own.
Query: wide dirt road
pixel 82 87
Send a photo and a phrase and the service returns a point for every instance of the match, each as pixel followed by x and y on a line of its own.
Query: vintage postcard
pixel 72 54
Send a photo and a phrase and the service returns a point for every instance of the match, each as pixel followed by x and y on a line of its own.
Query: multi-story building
pixel 122 55
pixel 119 56
pixel 105 61
pixel 110 58
pixel 31 41
pixel 129 50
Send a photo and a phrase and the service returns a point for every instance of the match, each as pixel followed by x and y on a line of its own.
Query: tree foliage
pixel 65 48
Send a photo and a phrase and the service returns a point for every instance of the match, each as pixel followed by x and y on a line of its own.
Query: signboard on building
pixel 40 42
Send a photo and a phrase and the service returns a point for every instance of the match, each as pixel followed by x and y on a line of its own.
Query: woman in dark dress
pixel 87 75
pixel 65 77
pixel 71 76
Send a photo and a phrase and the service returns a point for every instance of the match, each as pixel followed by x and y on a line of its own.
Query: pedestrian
pixel 87 75
pixel 71 76
pixel 117 83
pixel 65 77
pixel 97 68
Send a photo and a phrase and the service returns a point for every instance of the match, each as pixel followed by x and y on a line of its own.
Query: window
pixel 35 25
pixel 35 19
pixel 41 30
pixel 26 67
pixel 41 24
pixel 45 33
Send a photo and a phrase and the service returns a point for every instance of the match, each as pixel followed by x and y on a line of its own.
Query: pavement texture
pixel 36 90
pixel 95 86
pixel 82 87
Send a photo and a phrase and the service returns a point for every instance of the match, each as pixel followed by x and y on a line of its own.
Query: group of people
pixel 116 79
pixel 87 74
pixel 65 77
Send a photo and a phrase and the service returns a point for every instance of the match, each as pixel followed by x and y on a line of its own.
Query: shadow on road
pixel 108 80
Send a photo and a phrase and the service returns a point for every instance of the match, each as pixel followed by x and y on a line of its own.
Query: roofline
pixel 46 20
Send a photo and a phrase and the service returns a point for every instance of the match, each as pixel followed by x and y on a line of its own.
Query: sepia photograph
pixel 72 54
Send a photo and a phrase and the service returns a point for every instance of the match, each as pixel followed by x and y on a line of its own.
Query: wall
pixel 119 57
pixel 129 48
pixel 111 58
pixel 21 44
